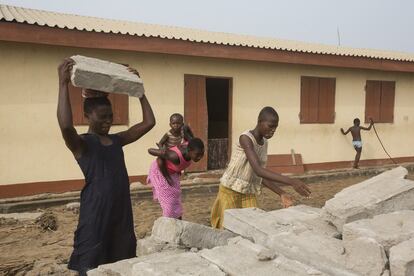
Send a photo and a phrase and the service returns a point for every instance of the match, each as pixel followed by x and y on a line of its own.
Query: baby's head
pixel 267 122
pixel 196 149
pixel 176 122
pixel 98 111
pixel 357 122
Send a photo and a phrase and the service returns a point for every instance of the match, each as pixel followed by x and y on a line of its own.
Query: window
pixel 119 107
pixel 379 101
pixel 317 100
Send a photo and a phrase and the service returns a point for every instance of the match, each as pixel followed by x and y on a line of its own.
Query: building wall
pixel 32 149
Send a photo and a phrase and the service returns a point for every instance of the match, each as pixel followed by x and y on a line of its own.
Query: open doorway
pixel 207 109
pixel 217 94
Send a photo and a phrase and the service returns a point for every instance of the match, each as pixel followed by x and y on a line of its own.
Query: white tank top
pixel 239 175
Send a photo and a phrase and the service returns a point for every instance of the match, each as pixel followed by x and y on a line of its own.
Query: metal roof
pixel 100 25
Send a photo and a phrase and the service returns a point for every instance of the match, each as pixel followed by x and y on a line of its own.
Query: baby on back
pixel 177 135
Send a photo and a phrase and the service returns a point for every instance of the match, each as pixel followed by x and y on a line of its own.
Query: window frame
pixel 315 109
pixel 380 101
pixel 119 102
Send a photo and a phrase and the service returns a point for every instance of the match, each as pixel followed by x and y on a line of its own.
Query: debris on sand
pixel 73 206
pixel 16 267
pixel 48 221
pixel 21 216
pixel 8 221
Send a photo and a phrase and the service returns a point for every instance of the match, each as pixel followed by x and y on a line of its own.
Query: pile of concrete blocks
pixel 366 229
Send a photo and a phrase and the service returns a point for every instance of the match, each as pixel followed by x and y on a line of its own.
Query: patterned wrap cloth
pixel 169 196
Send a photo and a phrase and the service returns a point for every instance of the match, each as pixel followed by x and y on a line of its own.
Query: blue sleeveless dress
pixel 105 231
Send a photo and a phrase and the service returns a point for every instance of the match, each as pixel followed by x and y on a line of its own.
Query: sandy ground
pixel 28 250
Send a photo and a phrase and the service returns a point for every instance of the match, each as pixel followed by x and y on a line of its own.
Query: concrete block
pixel 309 218
pixel 178 264
pixel 402 259
pixel 325 253
pixel 121 268
pixel 201 236
pixel 150 245
pixel 167 230
pixel 241 257
pixel 365 256
pixel 386 273
pixel 384 193
pixel 189 234
pixel 105 76
pixel 255 224
pixel 262 253
pixel 387 229
pixel 124 267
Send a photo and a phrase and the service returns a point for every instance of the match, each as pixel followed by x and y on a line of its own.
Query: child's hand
pixel 371 121
pixel 300 187
pixel 64 70
pixel 163 151
pixel 134 71
pixel 286 200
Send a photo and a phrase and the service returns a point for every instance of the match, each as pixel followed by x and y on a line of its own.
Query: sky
pixel 375 24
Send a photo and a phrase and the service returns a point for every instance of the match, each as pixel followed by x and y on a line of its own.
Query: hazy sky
pixel 378 24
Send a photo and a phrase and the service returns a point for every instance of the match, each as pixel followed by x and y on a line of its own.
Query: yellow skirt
pixel 229 199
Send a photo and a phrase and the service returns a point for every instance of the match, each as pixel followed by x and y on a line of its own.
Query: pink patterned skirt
pixel 169 196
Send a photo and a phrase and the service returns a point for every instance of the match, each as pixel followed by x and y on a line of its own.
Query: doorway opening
pixel 219 128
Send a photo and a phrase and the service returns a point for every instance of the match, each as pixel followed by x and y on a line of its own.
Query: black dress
pixel 105 231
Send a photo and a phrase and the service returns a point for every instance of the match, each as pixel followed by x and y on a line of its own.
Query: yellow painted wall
pixel 32 149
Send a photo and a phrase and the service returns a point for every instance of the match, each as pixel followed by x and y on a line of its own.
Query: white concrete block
pixel 325 253
pixel 189 234
pixel 365 256
pixel 105 76
pixel 124 267
pixel 179 264
pixel 167 230
pixel 150 245
pixel 241 257
pixel 384 193
pixel 308 217
pixel 253 223
pixel 402 259
pixel 262 253
pixel 387 229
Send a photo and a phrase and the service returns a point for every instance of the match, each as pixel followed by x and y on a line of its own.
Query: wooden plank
pixel 304 99
pixel 372 100
pixel 313 101
pixel 230 125
pixel 217 153
pixel 326 110
pixel 387 101
pixel 307 84
pixel 196 114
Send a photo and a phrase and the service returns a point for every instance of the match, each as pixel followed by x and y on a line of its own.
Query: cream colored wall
pixel 32 149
